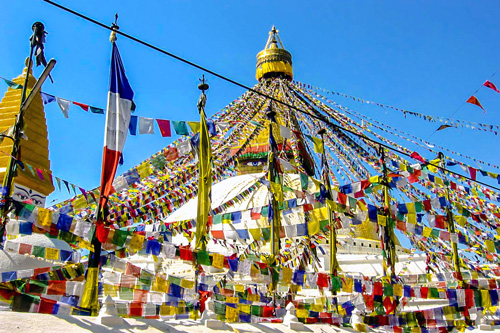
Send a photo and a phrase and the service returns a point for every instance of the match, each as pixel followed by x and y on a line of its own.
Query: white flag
pixel 146 125
pixel 64 104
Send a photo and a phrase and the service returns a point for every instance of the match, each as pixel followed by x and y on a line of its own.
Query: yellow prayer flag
pixel 277 190
pixel 313 225
pixel 218 261
pixel 194 125
pixel 137 242
pixel 204 184
pixel 253 297
pixel 347 285
pixel 427 232
pixel 287 274
pixel 44 217
pixel 486 299
pixel 51 254
pixel 317 307
pixel 433 168
pixel 90 291
pixel 382 220
pixel 490 246
pixel 110 290
pixel 411 218
pixel 232 314
pixel 245 308
pixel 302 313
pixel 318 145
pixel 187 284
pixel 239 288
pixel 166 310
pixel 398 290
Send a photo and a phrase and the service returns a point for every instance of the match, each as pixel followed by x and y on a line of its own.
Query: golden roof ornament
pixel 274 60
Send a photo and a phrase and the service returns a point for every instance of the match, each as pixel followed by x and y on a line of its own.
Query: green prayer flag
pixel 13 85
pixel 180 127
pixel 96 110
pixel 119 238
pixel 304 181
pixel 203 258
pixel 38 251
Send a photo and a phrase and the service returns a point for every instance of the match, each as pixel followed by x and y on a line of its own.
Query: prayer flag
pixel 14 85
pixel 475 101
pixel 64 106
pixel 118 114
pixel 180 127
pixel 96 110
pixel 47 98
pixel 84 107
pixel 146 125
pixel 491 86
pixel 132 126
pixel 164 126
pixel 204 183
pixel 442 127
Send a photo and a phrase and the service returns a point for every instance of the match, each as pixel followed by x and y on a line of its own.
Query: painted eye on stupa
pixel 254 163
pixel 22 196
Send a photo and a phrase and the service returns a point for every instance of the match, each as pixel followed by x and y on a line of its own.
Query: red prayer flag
pixel 84 107
pixel 472 172
pixel 490 85
pixel 416 156
pixel 474 100
pixel 164 126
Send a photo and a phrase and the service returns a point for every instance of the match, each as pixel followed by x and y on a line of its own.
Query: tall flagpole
pixel 451 225
pixel 332 218
pixel 204 180
pixel 387 235
pixel 271 177
pixel 119 108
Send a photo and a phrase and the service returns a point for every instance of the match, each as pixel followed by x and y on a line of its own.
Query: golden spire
pixel 274 60
pixel 34 145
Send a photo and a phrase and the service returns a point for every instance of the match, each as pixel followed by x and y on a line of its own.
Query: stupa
pixel 33 183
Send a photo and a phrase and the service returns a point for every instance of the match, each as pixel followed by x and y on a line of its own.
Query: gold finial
pixel 274 60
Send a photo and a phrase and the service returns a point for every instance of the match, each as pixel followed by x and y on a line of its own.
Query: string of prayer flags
pixel 475 101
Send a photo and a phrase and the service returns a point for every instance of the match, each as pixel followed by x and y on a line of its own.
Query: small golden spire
pixel 274 60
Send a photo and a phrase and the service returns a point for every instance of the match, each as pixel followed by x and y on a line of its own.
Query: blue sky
pixel 422 56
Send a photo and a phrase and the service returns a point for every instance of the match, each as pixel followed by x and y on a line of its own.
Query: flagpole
pixel 38 33
pixel 90 296
pixel 275 223
pixel 205 178
pixel 332 218
pixel 451 225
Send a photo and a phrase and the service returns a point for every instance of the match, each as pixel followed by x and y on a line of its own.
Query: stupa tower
pixel 34 183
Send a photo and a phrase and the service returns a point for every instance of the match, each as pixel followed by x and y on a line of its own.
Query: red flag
pixel 473 100
pixel 416 156
pixel 472 172
pixel 164 126
pixel 84 107
pixel 490 85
